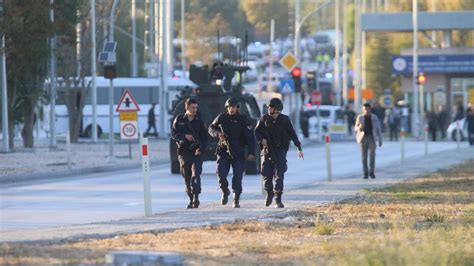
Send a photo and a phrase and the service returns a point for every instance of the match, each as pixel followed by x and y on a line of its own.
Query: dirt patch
pixel 424 221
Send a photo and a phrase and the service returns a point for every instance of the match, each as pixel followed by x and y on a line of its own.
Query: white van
pixel 331 117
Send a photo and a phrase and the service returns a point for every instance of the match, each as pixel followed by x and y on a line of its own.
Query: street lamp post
pixel 298 24
pixel 111 88
pixel 164 68
pixel 93 74
pixel 5 136
pixel 415 118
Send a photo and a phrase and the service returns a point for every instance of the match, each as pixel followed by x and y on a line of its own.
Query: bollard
pixel 328 156
pixel 68 150
pixel 458 134
pixel 426 139
pixel 320 127
pixel 402 145
pixel 146 175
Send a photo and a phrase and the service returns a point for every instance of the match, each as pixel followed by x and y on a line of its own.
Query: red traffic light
pixel 296 72
pixel 421 78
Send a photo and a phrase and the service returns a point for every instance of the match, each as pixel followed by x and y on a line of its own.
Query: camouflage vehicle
pixel 214 88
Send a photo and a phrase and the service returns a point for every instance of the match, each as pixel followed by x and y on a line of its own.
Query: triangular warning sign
pixel 127 103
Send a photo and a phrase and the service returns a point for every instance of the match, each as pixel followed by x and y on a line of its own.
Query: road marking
pixel 134 203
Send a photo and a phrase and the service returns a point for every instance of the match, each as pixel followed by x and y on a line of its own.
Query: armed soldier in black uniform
pixel 191 137
pixel 233 131
pixel 274 132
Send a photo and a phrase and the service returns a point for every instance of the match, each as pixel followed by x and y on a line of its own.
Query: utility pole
pixel 363 51
pixel 134 41
pixel 170 33
pixel 344 55
pixel 357 50
pixel 415 117
pixel 6 147
pixel 183 39
pixel 93 73
pixel 164 68
pixel 52 79
pixel 337 79
pixel 270 66
pixel 296 95
pixel 111 89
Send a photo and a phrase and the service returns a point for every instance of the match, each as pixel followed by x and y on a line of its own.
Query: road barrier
pixel 426 139
pixel 402 145
pixel 458 134
pixel 146 175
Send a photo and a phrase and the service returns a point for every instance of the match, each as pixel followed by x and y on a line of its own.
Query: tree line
pixel 27 28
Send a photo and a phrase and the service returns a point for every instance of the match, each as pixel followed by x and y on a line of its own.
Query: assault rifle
pixel 269 149
pixel 225 143
pixel 196 144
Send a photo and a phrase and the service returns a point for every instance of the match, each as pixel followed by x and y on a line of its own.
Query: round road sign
pixel 129 130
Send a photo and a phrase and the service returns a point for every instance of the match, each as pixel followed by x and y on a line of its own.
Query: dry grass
pixel 425 221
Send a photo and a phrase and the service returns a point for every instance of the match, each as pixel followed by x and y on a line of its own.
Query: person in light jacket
pixel 368 133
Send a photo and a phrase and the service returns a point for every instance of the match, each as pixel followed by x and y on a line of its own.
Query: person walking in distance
pixel 233 132
pixel 470 125
pixel 349 115
pixel 274 132
pixel 191 137
pixel 393 122
pixel 368 132
pixel 151 121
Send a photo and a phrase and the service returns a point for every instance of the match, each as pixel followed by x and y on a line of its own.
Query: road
pixel 119 195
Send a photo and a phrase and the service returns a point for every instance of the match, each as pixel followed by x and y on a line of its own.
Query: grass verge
pixel 428 220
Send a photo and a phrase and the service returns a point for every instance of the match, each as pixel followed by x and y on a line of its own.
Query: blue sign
pixel 403 65
pixel 387 100
pixel 287 86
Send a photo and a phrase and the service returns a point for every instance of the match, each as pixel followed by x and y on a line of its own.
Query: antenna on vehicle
pixel 218 47
pixel 246 59
pixel 237 56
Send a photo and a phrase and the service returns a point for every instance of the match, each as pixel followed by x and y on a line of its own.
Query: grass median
pixel 428 220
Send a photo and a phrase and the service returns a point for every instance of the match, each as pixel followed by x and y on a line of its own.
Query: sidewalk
pixel 86 157
pixel 41 162
pixel 310 195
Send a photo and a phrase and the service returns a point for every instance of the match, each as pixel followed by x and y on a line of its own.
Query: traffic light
pixel 296 75
pixel 110 72
pixel 420 78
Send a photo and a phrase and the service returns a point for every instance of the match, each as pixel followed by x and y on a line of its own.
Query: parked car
pixel 452 130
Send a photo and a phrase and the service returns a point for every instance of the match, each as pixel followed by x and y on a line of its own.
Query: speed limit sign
pixel 128 130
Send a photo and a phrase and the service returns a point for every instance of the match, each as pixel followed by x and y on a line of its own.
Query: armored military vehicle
pixel 215 86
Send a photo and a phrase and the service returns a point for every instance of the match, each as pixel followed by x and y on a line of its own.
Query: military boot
pixel 236 203
pixel 196 200
pixel 190 204
pixel 278 202
pixel 269 198
pixel 225 196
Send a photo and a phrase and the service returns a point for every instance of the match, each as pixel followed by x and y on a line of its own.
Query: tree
pixel 74 57
pixel 379 64
pixel 26 26
pixel 261 12
pixel 201 35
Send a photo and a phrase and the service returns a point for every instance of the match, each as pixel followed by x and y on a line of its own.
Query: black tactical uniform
pixel 231 152
pixel 278 133
pixel 190 163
